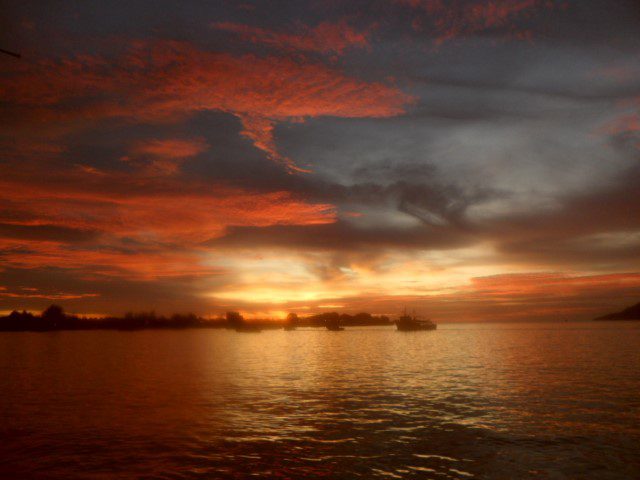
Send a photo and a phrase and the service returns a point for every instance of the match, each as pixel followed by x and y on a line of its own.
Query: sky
pixel 469 160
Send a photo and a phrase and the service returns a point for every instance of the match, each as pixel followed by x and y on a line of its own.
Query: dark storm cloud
pixel 573 232
pixel 344 236
pixel 597 228
pixel 406 186
pixel 589 89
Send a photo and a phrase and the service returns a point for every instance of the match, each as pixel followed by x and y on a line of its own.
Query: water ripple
pixel 459 403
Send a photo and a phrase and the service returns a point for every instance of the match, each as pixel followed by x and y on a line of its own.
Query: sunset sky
pixel 472 160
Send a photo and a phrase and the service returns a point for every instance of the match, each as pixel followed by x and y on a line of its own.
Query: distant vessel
pixel 409 323
pixel 333 325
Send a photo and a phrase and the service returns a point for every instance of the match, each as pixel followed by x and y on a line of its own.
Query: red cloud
pixel 148 207
pixel 325 38
pixel 460 18
pixel 170 148
pixel 165 81
pixel 143 226
pixel 260 131
pixel 148 263
pixel 165 156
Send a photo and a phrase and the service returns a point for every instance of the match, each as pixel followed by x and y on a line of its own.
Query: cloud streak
pixel 325 38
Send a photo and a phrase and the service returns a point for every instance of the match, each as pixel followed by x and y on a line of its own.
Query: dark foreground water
pixel 466 401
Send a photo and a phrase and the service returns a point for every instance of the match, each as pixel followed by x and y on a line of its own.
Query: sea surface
pixel 493 401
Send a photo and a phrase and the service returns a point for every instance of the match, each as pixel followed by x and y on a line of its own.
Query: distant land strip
pixel 631 313
pixel 54 318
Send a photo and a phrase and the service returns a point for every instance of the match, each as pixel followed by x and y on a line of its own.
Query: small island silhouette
pixel 55 318
pixel 630 313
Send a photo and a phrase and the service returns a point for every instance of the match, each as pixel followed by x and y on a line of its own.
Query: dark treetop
pixel 55 318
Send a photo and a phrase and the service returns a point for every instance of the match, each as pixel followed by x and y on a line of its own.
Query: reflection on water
pixel 466 401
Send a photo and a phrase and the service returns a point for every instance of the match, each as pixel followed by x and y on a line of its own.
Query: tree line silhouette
pixel 55 318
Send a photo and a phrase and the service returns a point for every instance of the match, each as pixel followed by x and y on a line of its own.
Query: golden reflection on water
pixel 465 401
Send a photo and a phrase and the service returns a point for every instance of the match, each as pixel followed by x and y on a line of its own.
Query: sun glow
pixel 321 280
pixel 276 296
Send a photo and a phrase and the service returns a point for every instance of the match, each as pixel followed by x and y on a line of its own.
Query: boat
pixel 410 323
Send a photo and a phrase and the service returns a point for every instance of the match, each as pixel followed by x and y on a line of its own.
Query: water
pixel 466 401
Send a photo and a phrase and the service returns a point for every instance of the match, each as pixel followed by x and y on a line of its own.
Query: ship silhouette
pixel 411 323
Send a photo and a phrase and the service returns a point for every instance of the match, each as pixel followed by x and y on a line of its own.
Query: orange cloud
pixel 526 296
pixel 31 293
pixel 549 296
pixel 165 81
pixel 514 286
pixel 326 37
